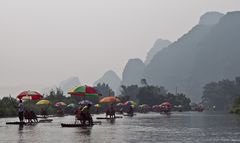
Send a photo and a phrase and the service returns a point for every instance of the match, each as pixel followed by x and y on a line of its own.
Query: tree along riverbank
pixel 146 94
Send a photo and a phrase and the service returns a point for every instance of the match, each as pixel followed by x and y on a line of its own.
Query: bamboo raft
pixel 30 123
pixel 108 118
pixel 20 123
pixel 130 115
pixel 45 121
pixel 75 125
pixel 80 125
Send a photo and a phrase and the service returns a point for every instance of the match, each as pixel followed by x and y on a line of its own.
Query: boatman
pixel 20 110
pixel 87 115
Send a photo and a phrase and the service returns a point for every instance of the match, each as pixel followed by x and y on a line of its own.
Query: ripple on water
pixel 184 127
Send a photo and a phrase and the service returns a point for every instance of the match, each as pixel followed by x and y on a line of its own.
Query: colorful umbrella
pixel 60 104
pixel 30 95
pixel 84 91
pixel 97 105
pixel 129 103
pixel 85 102
pixel 43 102
pixel 144 106
pixel 155 106
pixel 71 105
pixel 119 104
pixel 109 99
pixel 166 104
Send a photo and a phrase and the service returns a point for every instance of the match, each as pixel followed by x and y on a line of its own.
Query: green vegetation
pixel 222 95
pixel 8 107
pixel 145 94
pixel 153 95
pixel 236 106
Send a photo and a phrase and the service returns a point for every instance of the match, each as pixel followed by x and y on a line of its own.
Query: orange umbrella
pixel 109 99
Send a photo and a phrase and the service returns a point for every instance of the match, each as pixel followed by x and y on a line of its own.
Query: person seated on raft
pixel 33 116
pixel 111 112
pixel 121 110
pixel 43 113
pixel 60 112
pixel 27 115
pixel 130 112
pixel 79 115
pixel 30 116
pixel 87 115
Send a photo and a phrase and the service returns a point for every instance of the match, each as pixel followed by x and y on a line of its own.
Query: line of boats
pixel 48 120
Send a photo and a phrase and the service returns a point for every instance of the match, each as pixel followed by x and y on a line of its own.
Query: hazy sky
pixel 43 42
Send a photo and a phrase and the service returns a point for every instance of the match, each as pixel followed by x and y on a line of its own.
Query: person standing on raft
pixel 20 110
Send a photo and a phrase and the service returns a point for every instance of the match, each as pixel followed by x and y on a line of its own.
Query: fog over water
pixel 44 42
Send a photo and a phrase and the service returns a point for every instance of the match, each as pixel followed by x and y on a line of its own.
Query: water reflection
pixel 20 134
pixel 84 131
pixel 112 121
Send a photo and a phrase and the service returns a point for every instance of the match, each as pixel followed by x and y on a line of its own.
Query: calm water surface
pixel 187 127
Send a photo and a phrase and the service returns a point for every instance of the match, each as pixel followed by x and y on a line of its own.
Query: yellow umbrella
pixel 43 102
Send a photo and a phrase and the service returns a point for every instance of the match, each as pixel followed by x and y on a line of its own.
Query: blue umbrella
pixel 85 102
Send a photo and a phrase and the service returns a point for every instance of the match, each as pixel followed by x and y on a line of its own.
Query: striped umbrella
pixel 72 105
pixel 85 102
pixel 58 104
pixel 84 91
pixel 30 95
pixel 130 103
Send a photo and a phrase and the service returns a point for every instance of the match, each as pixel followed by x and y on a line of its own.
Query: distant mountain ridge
pixel 65 85
pixel 110 78
pixel 158 46
pixel 209 52
pixel 133 72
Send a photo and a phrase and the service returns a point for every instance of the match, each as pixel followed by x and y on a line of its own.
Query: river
pixel 184 127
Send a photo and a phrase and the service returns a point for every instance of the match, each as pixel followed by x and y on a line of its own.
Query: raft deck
pixel 80 125
pixel 108 118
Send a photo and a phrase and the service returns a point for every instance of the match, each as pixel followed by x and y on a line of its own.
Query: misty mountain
pixel 65 85
pixel 133 72
pixel 158 45
pixel 210 18
pixel 69 83
pixel 110 78
pixel 208 52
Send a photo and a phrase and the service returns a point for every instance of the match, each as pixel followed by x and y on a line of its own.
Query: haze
pixel 44 42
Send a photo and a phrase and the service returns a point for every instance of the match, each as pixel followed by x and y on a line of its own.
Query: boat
pixel 130 115
pixel 45 120
pixel 75 125
pixel 29 123
pixel 80 125
pixel 21 123
pixel 108 118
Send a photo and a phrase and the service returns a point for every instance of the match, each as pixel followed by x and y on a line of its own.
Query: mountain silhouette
pixel 208 52
pixel 158 46
pixel 110 78
pixel 133 72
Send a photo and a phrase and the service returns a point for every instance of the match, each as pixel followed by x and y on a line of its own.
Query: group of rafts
pixel 83 113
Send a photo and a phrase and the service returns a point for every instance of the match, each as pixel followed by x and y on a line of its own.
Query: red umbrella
pixel 32 95
pixel 166 104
